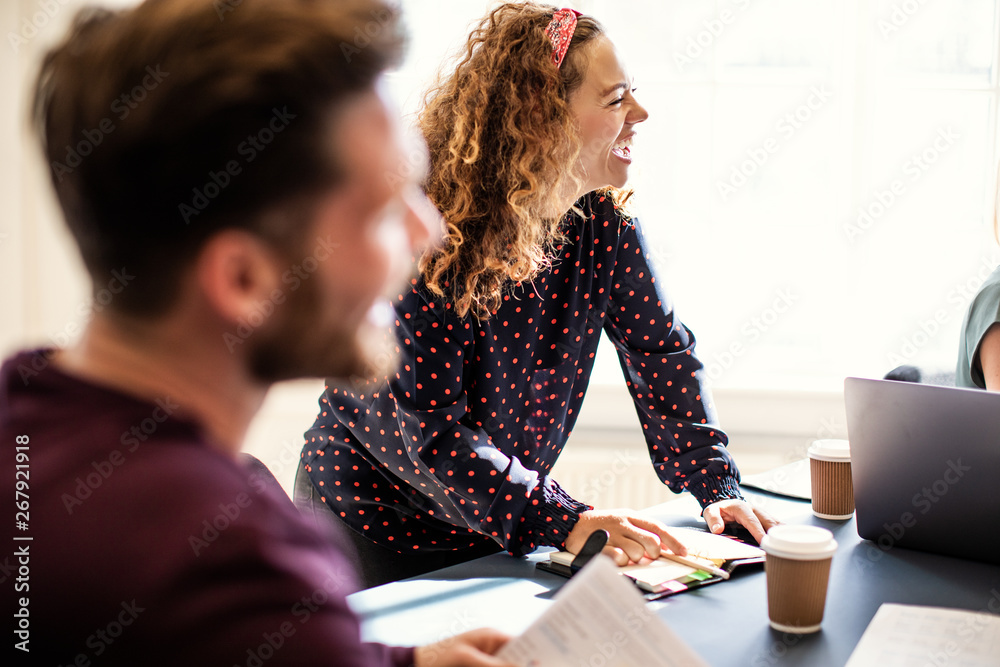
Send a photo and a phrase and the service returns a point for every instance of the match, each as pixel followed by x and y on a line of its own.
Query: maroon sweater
pixel 148 546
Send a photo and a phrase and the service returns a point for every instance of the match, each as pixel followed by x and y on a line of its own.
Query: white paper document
pixel 598 617
pixel 901 635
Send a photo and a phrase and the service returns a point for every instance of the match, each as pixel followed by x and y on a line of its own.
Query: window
pixel 816 176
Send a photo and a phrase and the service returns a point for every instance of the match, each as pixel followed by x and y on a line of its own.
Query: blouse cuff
pixel 708 489
pixel 557 515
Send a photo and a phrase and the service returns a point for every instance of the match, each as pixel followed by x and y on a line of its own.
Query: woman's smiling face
pixel 606 113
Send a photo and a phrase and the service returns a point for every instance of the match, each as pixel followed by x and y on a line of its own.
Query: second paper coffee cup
pixel 830 474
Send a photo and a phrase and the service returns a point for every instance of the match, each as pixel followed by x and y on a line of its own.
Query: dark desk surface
pixel 726 623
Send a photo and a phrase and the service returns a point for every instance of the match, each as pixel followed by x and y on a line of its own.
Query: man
pixel 233 167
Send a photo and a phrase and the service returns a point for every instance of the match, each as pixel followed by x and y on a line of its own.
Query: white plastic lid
pixel 799 542
pixel 838 451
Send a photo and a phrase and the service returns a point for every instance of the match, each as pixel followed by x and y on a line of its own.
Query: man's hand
pixel 469 649
pixel 757 521
pixel 630 536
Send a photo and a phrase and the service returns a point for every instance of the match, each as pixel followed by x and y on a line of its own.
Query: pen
pixel 691 562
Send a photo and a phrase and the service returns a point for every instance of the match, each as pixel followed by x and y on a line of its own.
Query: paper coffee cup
pixel 797 566
pixel 830 473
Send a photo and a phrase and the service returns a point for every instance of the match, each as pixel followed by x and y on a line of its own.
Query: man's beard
pixel 298 342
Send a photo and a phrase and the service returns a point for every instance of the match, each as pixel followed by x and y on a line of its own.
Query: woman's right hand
pixel 631 536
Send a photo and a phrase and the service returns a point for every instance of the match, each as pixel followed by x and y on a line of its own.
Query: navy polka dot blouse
pixel 456 448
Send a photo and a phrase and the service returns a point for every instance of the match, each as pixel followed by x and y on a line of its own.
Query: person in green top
pixel 979 347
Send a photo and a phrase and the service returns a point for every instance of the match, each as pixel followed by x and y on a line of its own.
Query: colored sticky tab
pixel 674 586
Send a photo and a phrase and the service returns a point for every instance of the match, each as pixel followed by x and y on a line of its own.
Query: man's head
pixel 239 151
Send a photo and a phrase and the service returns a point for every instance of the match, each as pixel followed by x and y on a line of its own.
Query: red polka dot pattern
pixel 456 448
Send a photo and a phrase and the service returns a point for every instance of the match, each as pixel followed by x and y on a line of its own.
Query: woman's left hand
pixel 756 520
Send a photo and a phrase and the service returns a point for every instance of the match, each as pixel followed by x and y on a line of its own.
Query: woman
pixel 529 141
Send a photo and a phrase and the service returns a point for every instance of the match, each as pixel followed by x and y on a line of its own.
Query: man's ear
pixel 237 272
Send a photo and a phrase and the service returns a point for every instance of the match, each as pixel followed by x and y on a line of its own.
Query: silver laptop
pixel 925 462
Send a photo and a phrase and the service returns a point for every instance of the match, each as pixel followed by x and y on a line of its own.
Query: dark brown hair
pixel 166 123
pixel 503 151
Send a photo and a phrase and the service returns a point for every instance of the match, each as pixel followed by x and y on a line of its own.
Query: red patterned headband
pixel 560 32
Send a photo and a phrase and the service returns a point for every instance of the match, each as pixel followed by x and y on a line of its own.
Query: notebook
pixel 710 559
pixel 925 462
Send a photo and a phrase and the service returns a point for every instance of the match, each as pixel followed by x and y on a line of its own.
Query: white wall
pixel 45 289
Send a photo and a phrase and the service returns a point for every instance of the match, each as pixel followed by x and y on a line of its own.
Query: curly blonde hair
pixel 504 151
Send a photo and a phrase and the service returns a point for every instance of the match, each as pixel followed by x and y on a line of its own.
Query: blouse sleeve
pixel 665 379
pixel 983 313
pixel 450 459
